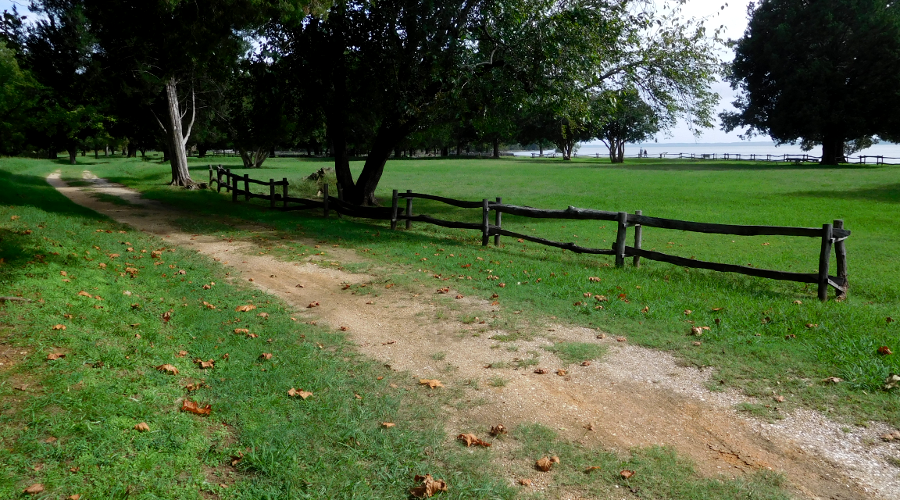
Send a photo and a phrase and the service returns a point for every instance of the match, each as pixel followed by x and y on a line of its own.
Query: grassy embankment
pixel 69 423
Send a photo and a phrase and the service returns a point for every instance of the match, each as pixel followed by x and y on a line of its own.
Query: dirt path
pixel 633 397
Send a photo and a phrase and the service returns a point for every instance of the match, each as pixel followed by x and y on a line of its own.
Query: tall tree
pixel 624 117
pixel 822 72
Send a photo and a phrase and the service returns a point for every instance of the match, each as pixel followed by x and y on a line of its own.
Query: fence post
pixel 636 262
pixel 394 208
pixel 498 221
pixel 210 176
pixel 284 191
pixel 824 257
pixel 271 193
pixel 219 179
pixel 840 254
pixel 246 187
pixel 340 192
pixel 485 222
pixel 234 188
pixel 622 221
pixel 408 208
pixel 325 200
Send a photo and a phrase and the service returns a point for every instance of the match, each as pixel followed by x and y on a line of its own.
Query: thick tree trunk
pixel 832 149
pixel 73 153
pixel 52 154
pixel 496 144
pixel 620 154
pixel 131 151
pixel 445 151
pixel 177 138
pixel 458 149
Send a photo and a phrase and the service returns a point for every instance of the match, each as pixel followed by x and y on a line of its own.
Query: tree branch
pixel 187 134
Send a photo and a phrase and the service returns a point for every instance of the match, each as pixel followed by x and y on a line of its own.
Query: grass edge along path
pixel 73 424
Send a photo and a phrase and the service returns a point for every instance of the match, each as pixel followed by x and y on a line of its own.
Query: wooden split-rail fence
pixel 832 236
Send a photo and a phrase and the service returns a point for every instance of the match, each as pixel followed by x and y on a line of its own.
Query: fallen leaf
pixel 502 285
pixel 75 496
pixel 432 383
pixel 892 381
pixel 344 328
pixel 601 336
pixel 265 355
pixel 585 363
pixel 245 308
pixel 688 312
pixel 592 468
pixel 224 356
pixel 525 482
pixel 58 327
pixel 301 393
pixel 621 339
pixel 34 489
pixel 696 343
pixel 471 439
pixel 561 372
pixel 544 464
pixel 540 371
pixel 388 425
pixel 594 279
pixel 429 486
pixel 779 399
pixel 205 364
pixel 167 316
pixel 84 294
pixel 55 355
pixel 142 427
pixel 833 380
pixel 241 331
pixel 498 429
pixel 626 473
pixel 646 309
pixel 885 350
pixel 208 305
pixel 181 354
pixel 601 298
pixel 312 304
pixel 696 331
pixel 263 315
pixel 589 426
pixel 812 325
pixel 889 319
pixel 168 369
pixel 459 296
pixel 193 407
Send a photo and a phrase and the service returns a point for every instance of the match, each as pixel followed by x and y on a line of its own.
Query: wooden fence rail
pixel 831 235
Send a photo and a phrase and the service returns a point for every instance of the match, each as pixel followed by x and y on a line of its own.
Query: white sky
pixel 732 14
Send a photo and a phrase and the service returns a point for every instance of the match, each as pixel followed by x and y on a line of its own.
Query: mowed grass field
pixel 761 343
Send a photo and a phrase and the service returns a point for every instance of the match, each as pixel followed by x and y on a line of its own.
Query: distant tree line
pixel 347 78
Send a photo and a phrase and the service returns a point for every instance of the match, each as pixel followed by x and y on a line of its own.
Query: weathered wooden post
pixel 485 222
pixel 246 187
pixel 284 191
pixel 636 262
pixel 622 221
pixel 234 188
pixel 824 257
pixel 408 208
pixel 210 176
pixel 271 193
pixel 394 208
pixel 340 191
pixel 325 200
pixel 840 254
pixel 498 220
pixel 219 179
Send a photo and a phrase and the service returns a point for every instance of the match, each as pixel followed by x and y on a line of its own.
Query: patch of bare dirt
pixel 631 397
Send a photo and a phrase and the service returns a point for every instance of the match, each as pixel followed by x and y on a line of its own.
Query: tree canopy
pixel 824 72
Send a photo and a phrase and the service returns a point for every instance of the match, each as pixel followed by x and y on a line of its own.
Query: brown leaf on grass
pixel 626 474
pixel 74 496
pixel 646 309
pixel 113 255
pixel 301 393
pixel 34 489
pixel 14 217
pixel 885 350
pixel 688 312
pixel 459 296
pixel 502 285
pixel 892 381
pixel 589 426
pixel 252 335
pixel 812 325
pixel 594 279
pixel 561 372
pixel 312 304
pixel 206 287
pixel 696 331
pixel 55 355
pixel 167 368
pixel 543 465
pixel 540 371
pixel 432 383
pixel 166 316
pixel 142 427
pixel 601 298
pixel 621 339
pixel 263 315
pixel 498 429
pixel 471 439
pixel 525 482
pixel 265 355
pixel 889 319
pixel 779 399
pixel 208 305
pixel 429 486
pixel 443 290
pixel 181 354
pixel 241 331
pixel 203 365
pixel 585 363
pixel 245 308
pixel 58 327
pixel 695 343
pixel 833 380
pixel 195 408
pixel 344 328
pixel 388 425
pixel 85 294
pixel 592 468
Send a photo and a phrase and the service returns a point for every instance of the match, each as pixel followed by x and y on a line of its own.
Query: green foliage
pixel 821 72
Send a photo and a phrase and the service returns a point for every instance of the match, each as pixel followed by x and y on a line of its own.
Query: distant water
pixel 745 149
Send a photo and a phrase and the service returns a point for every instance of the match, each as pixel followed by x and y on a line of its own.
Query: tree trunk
pixel 177 138
pixel 52 154
pixel 445 151
pixel 131 151
pixel 832 149
pixel 496 144
pixel 621 151
pixel 73 153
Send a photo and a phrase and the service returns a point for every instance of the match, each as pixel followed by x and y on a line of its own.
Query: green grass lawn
pixel 760 342
pixel 114 305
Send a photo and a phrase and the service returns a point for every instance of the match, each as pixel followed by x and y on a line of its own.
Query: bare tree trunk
pixel 496 144
pixel 73 153
pixel 177 138
pixel 832 149
pixel 621 151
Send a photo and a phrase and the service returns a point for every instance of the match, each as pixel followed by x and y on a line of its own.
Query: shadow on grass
pixel 30 190
pixel 887 194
